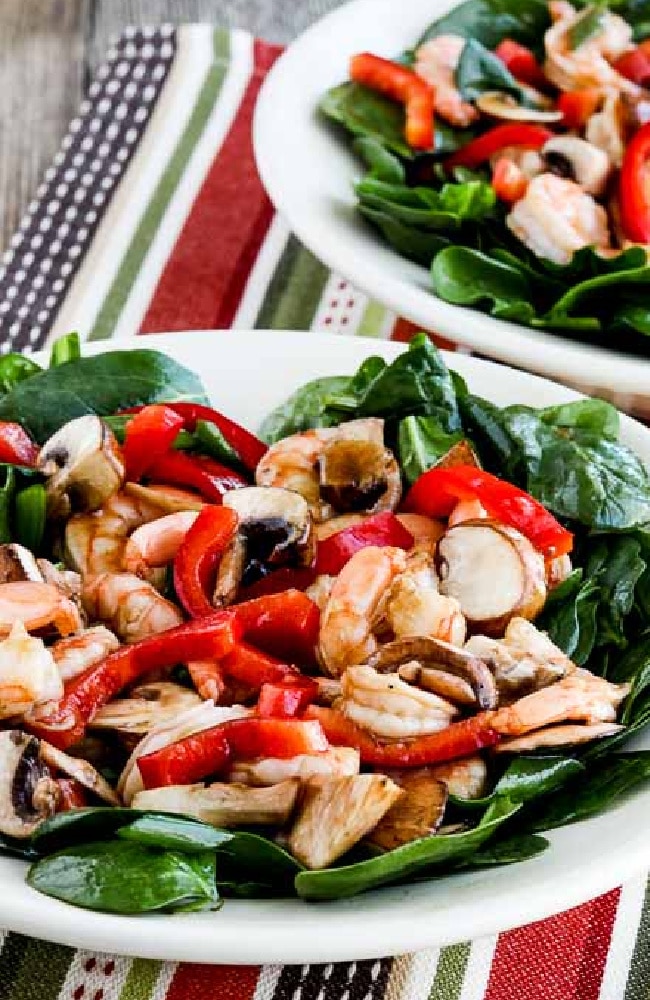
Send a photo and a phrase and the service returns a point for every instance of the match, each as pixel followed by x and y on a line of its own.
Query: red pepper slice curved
pixel 253 668
pixel 634 65
pixel 200 755
pixel 211 479
pixel 286 699
pixel 198 557
pixel 480 150
pixel 460 739
pixel 509 182
pixel 521 62
pixel 378 529
pixel 285 578
pixel 16 446
pixel 438 491
pixel 634 188
pixel 148 436
pixel 577 106
pixel 285 625
pixel 211 637
pixel 403 85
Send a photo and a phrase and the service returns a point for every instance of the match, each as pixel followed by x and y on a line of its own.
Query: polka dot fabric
pixel 60 222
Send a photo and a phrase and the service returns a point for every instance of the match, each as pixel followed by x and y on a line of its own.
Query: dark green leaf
pixel 122 877
pixel 78 826
pixel 208 440
pixel 381 163
pixel 409 241
pixel 490 21
pixel 527 778
pixel 30 515
pixel 66 348
pixel 480 71
pixel 307 407
pixel 14 847
pixel 175 833
pixel 425 208
pixel 428 854
pixel 421 442
pixel 468 277
pixel 571 624
pixel 616 565
pixel 7 494
pixel 509 851
pixel 15 368
pixel 588 25
pixel 364 112
pixel 251 857
pixel 102 384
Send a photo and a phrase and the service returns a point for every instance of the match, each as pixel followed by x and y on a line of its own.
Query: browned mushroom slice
pixel 439 681
pixel 429 652
pixel 83 465
pixel 18 563
pixel 225 805
pixel 418 813
pixel 81 770
pixel 558 736
pixel 352 474
pixel 168 499
pixel 230 573
pixel 466 779
pixel 493 571
pixel 147 707
pixel 336 813
pixel 28 793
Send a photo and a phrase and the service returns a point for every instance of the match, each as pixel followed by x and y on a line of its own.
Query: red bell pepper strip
pixel 72 794
pixel 148 436
pixel 509 182
pixel 379 529
pixel 634 65
pixel 200 755
pixel 521 62
pixel 285 625
pixel 253 668
pixel 285 578
pixel 186 761
pixel 249 448
pixel 287 699
pixel 460 739
pixel 16 446
pixel 64 724
pixel 634 188
pixel 577 106
pixel 211 479
pixel 403 85
pixel 198 557
pixel 480 150
pixel 438 491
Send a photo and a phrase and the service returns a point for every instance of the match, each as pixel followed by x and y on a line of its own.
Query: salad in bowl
pixel 507 151
pixel 399 634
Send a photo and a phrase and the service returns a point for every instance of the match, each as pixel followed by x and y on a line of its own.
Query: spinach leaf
pixel 480 71
pixel 381 163
pixel 606 780
pixel 16 847
pixel 616 565
pixel 102 384
pixel 425 208
pixel 467 277
pixel 78 826
pixel 65 349
pixel 30 515
pixel 364 112
pixel 409 241
pixel 306 407
pixel 421 442
pixel 490 21
pixel 122 877
pixel 527 778
pixel 15 368
pixel 175 833
pixel 427 854
pixel 571 624
pixel 509 851
pixel 250 857
pixel 7 495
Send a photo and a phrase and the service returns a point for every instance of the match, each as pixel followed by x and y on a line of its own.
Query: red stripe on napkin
pixel 205 276
pixel 213 982
pixel 403 331
pixel 562 958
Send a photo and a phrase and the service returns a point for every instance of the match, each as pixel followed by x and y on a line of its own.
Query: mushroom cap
pixel 501 105
pixel 83 465
pixel 28 794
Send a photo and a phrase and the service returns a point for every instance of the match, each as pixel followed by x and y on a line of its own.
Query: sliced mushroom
pixel 523 661
pixel 336 762
pixel 275 529
pixel 225 805
pixel 558 736
pixel 439 681
pixel 501 105
pixel 28 793
pixel 493 571
pixel 336 813
pixel 419 812
pixel 579 161
pixel 357 473
pixel 329 690
pixel 81 770
pixel 65 580
pixel 83 465
pixel 427 652
pixel 18 563
pixel 466 779
pixel 147 707
pixel 168 499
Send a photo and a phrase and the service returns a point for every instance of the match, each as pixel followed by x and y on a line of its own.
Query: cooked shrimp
pixel 28 673
pixel 580 697
pixel 587 65
pixel 346 623
pixel 467 510
pixel 464 778
pixel 336 762
pixel 606 129
pixel 436 62
pixel 36 606
pixel 78 652
pixel 415 607
pixel 555 218
pixel 524 660
pixel 207 677
pixel 292 464
pixel 131 607
pixel 146 707
pixel 319 591
pixel 557 571
pixel 391 708
pixel 157 542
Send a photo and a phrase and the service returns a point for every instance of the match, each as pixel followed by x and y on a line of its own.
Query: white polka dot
pixel 96 165
pixel 121 111
pixel 90 216
pixel 55 246
pixel 77 161
pixel 129 31
pixel 31 208
pixel 61 191
pixel 148 31
pixel 85 107
pixel 66 269
pixel 26 220
pixel 112 131
pixel 158 71
pixel 49 175
pixel 167 50
pixel 11 292
pixel 71 213
pixel 94 89
pixel 45 224
pixel 39 281
pixel 59 158
pixel 149 92
pixel 46 266
pixel 103 71
pixel 107 183
pixel 53 207
pixel 79 196
pixel 20 276
pixel 87 143
pixel 112 87
pixel 130 51
pixel 36 241
pixel 111 55
pixel 63 230
pixel 43 315
pixel 140 114
pixel 14 329
pixel 17 239
pixel 67 142
pixel 74 251
pixel 3 271
pixel 23 312
pixel 28 259
pixel 166 30
pixel 50 301
pixel 103 106
pixel 82 234
pixel 34 334
pixel 99 198
pixel 122 69
pixel 131 135
pixel 5 307
pixel 86 179
pixel 95 125
pixel 104 149
pixel 130 90
pixel 148 51
pixel 75 124
pixel 41 190
pixel 30 298
pixel 71 173
pixel 122 154
pixel 139 71
pixel 58 285
pixel 115 169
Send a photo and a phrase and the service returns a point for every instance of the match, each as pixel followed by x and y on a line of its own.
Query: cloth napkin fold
pixel 152 218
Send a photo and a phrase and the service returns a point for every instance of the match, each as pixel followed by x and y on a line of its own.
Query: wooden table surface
pixel 48 49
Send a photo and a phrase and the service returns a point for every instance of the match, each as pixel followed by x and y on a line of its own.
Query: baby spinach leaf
pixel 509 851
pixel 7 496
pixel 427 854
pixel 616 565
pixel 78 826
pixel 381 163
pixel 480 71
pixel 409 241
pixel 606 780
pixel 364 112
pixel 425 207
pixel 467 277
pixel 306 407
pixel 30 515
pixel 175 833
pixel 421 442
pixel 571 624
pixel 249 857
pixel 15 368
pixel 527 778
pixel 490 21
pixel 102 384
pixel 122 877
pixel 15 847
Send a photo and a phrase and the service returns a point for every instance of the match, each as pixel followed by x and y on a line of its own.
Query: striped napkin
pixel 152 218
